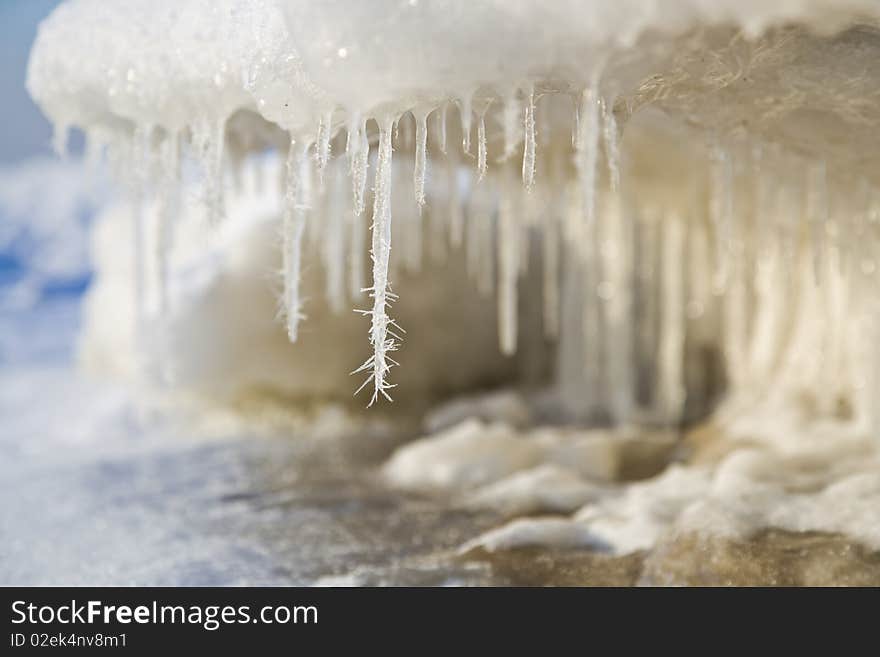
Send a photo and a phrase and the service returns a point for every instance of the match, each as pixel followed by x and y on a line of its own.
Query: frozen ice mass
pixel 633 221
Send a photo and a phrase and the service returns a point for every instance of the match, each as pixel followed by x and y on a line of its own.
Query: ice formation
pixel 699 178
pixel 220 336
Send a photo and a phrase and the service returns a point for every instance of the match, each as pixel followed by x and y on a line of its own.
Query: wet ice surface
pixel 95 492
pixel 115 501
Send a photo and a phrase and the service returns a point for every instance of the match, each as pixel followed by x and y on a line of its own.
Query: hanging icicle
pixel 481 149
pixel 322 144
pixel 169 205
pixel 421 157
pixel 209 139
pixel 721 212
pixel 464 107
pixel 333 242
pixel 508 270
pixel 441 128
pixel 528 163
pixel 358 149
pixel 612 149
pixel 586 150
pixel 383 329
pixel 296 203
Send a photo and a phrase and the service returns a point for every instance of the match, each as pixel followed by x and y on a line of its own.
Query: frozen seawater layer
pixel 172 62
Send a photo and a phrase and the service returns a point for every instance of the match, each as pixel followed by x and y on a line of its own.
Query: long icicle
pixel 721 213
pixel 551 275
pixel 322 151
pixel 168 208
pixel 456 214
pixel 139 175
pixel 528 163
pixel 333 244
pixel 214 153
pixel 358 148
pixel 421 164
pixel 586 150
pixel 465 112
pixel 670 383
pixel 481 148
pixel 508 270
pixel 296 201
pixel 356 245
pixel 512 115
pixel 383 336
pixel 441 128
pixel 612 148
pixel 817 207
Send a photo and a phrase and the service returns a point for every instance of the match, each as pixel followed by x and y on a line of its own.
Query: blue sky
pixel 24 131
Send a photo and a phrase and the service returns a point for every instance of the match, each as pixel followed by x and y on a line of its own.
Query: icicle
pixel 593 315
pixel 721 213
pixel 586 151
pixel 214 148
pixel 456 215
pixel 356 255
pixel 333 244
pixel 612 150
pixel 670 384
pixel 487 246
pixel 95 148
pixel 817 207
pixel 139 173
pixel 296 201
pixel 525 212
pixel 508 269
pixel 481 148
pixel 551 277
pixel 472 243
pixel 464 108
pixel 168 208
pixel 383 336
pixel 358 148
pixel 60 139
pixel 616 292
pixel 322 151
pixel 420 173
pixel 441 128
pixel 528 163
pixel 138 261
pixel 259 174
pixel 736 320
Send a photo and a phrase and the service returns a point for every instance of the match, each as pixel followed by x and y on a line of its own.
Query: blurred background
pixel 26 133
pixel 46 207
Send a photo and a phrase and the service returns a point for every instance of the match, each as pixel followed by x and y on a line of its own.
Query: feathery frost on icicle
pixel 383 329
